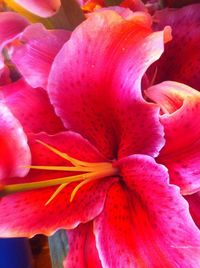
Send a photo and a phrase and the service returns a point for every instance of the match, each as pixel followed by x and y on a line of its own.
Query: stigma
pixel 89 171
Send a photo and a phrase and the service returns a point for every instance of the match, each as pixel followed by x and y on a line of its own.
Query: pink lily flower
pixel 172 64
pixel 114 195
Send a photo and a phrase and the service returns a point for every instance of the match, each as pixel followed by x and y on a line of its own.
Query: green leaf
pixel 58 245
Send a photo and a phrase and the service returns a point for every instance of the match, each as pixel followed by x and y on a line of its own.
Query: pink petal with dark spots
pixel 44 8
pixel 35 53
pixel 25 213
pixel 96 89
pixel 180 60
pixel 14 151
pixel 31 107
pixel 146 223
pixel 82 248
pixel 181 153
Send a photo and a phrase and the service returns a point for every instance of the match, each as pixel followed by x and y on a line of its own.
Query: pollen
pixel 88 172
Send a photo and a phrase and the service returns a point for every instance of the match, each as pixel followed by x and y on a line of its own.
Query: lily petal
pixel 147 223
pixel 31 214
pixel 13 143
pixel 180 60
pixel 82 248
pixel 31 107
pixel 181 153
pixel 44 8
pixel 102 87
pixel 11 24
pixel 36 51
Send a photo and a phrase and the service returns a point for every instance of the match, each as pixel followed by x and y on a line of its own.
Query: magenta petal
pixel 147 223
pixel 36 51
pixel 180 60
pixel 11 24
pixel 181 153
pixel 14 151
pixel 28 214
pixel 44 8
pixel 31 107
pixel 82 248
pixel 96 88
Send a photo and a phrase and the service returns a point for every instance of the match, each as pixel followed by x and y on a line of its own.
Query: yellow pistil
pixel 89 172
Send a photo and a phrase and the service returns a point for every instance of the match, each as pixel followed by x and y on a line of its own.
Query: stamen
pixel 89 172
pixel 72 160
pixel 58 190
pixel 76 168
pixel 78 187
pixel 154 77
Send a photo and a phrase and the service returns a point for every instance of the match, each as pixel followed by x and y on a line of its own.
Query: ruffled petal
pixel 25 213
pixel 180 60
pixel 82 248
pixel 96 89
pixel 194 201
pixel 11 24
pixel 181 153
pixel 147 223
pixel 35 52
pixel 31 107
pixel 44 8
pixel 14 150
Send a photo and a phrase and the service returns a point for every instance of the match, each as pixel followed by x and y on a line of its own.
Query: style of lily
pixel 103 178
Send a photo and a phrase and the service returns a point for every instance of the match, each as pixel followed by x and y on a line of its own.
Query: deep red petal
pixel 14 151
pixel 4 76
pixel 178 3
pixel 96 88
pixel 147 222
pixel 82 248
pixel 36 51
pixel 181 153
pixel 31 107
pixel 180 60
pixel 25 214
pixel 194 201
